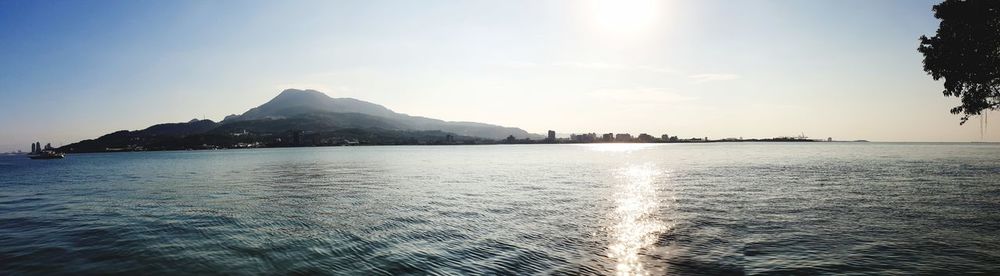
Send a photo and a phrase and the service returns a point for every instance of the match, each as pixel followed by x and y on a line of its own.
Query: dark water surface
pixel 727 208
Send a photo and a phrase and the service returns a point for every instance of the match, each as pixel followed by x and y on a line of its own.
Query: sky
pixel 73 70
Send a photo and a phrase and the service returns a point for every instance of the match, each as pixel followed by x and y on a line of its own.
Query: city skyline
pixel 842 69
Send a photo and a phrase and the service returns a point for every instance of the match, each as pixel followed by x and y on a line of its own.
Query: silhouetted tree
pixel 965 52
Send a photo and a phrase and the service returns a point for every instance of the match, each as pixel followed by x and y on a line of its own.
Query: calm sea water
pixel 727 208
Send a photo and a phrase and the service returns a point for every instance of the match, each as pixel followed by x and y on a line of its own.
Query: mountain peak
pixel 298 95
pixel 291 102
pixel 297 102
pixel 293 91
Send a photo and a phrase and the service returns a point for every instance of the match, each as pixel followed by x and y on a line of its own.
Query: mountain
pixel 194 126
pixel 313 121
pixel 301 118
pixel 293 102
pixel 157 134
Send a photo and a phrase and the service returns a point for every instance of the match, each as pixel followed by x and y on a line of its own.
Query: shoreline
pixel 473 143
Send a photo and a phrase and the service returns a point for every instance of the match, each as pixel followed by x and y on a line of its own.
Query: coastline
pixel 478 143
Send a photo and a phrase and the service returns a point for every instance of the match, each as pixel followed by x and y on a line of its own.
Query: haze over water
pixel 722 208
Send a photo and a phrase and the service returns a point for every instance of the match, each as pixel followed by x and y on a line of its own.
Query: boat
pixel 38 152
pixel 47 154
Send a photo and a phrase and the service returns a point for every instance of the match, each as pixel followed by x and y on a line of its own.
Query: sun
pixel 624 16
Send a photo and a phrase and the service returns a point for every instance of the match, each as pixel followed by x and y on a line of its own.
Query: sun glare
pixel 624 16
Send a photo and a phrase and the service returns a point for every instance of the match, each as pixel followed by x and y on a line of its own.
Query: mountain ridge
pixel 292 102
pixel 297 112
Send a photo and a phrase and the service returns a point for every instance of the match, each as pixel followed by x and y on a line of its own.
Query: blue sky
pixel 72 70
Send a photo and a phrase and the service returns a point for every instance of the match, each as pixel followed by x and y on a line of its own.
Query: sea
pixel 564 209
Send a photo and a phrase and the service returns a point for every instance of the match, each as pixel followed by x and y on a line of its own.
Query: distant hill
pixel 157 134
pixel 194 126
pixel 300 118
pixel 294 102
pixel 313 121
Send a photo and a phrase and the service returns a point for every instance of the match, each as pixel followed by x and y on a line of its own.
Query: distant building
pixel 552 136
pixel 583 138
pixel 645 138
pixel 608 137
pixel 829 139
pixel 296 137
pixel 511 139
pixel 589 137
pixel 623 137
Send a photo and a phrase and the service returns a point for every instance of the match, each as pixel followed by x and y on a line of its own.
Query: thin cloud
pixel 517 64
pixel 593 65
pixel 640 96
pixel 703 78
pixel 596 66
pixel 617 67
pixel 655 69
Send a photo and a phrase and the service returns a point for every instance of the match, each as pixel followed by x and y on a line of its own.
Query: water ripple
pixel 717 209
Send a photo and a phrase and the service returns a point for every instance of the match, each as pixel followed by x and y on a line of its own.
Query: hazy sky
pixel 71 70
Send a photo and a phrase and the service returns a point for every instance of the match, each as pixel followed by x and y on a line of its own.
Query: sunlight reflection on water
pixel 619 147
pixel 724 209
pixel 635 214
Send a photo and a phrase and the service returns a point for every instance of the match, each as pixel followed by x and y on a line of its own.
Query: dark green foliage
pixel 965 52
